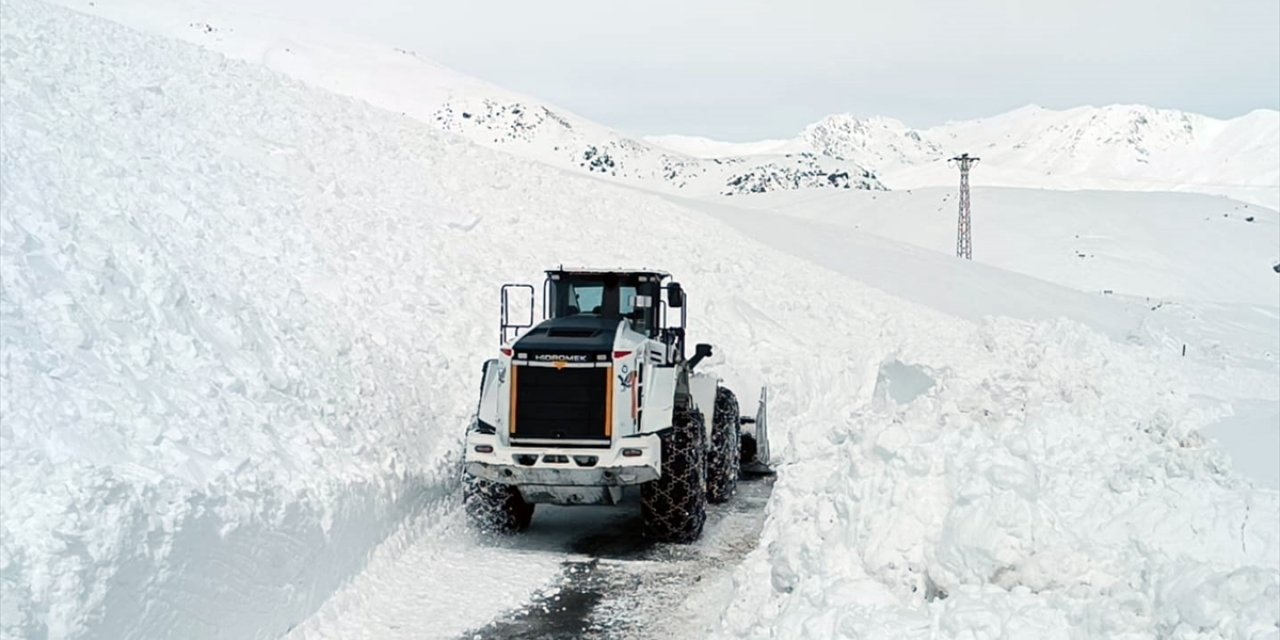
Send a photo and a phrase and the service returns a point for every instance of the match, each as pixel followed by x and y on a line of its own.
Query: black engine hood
pixel 584 334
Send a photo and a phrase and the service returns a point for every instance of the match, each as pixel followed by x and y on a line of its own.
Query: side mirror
pixel 675 295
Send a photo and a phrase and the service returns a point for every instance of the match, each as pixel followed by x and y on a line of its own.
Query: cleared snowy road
pixel 617 585
pixel 578 572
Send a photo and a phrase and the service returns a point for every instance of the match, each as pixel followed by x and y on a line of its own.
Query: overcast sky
pixel 746 69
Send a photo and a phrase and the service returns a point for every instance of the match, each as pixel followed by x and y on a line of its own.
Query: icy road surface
pixel 578 572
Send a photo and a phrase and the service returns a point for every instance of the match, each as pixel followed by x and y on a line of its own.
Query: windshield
pixel 606 295
pixel 586 298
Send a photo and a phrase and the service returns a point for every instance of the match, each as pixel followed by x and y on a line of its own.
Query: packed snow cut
pixel 600 396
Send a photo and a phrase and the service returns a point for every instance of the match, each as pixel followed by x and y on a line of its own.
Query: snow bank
pixel 1011 480
pixel 217 395
pixel 1012 477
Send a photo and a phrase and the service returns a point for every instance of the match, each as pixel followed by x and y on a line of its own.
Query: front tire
pixel 723 460
pixel 675 505
pixel 493 507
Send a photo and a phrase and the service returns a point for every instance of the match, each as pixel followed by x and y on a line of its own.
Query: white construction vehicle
pixel 600 396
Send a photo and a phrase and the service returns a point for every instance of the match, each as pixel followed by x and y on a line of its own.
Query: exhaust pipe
pixel 700 351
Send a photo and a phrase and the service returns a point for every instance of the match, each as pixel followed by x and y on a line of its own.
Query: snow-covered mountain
pixel 1130 147
pixel 399 80
pixel 1115 147
pixel 539 132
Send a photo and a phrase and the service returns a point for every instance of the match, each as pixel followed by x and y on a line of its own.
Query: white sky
pixel 750 69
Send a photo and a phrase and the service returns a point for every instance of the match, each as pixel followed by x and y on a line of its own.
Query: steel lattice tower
pixel 964 233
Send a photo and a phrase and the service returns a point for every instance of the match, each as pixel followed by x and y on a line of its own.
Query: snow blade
pixel 756 439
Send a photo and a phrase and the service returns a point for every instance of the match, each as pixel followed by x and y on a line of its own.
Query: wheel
pixel 493 507
pixel 723 458
pixel 746 449
pixel 675 505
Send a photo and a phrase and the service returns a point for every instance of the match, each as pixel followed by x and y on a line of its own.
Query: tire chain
pixel 724 459
pixel 493 507
pixel 674 505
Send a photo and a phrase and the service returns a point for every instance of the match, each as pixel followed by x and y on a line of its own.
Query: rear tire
pixel 493 507
pixel 675 505
pixel 748 449
pixel 723 460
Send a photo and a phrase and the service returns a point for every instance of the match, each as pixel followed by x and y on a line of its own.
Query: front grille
pixel 567 403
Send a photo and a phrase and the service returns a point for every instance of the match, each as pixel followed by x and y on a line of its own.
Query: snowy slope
pixel 1123 147
pixel 243 319
pixel 1189 271
pixel 1168 246
pixel 700 147
pixel 399 80
pixel 1235 346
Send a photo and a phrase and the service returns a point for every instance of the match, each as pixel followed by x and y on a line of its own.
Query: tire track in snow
pixel 618 585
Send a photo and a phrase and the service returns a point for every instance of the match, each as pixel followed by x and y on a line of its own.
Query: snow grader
pixel 599 397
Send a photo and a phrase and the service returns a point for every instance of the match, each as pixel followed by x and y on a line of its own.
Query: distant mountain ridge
pixel 1127 147
pixel 399 80
pixel 1116 147
pixel 538 131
